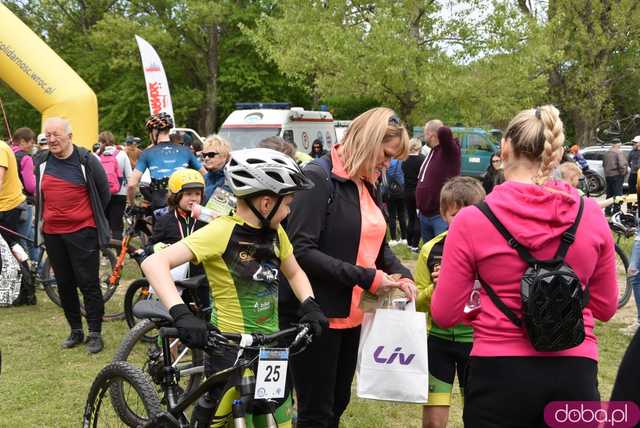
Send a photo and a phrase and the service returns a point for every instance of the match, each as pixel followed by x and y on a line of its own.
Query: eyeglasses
pixel 209 154
pixel 496 161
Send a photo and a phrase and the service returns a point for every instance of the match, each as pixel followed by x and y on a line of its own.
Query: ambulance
pixel 251 122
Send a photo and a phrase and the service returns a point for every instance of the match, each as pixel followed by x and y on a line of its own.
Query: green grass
pixel 42 385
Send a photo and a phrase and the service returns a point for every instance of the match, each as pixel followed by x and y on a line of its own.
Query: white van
pixel 245 128
pixel 341 128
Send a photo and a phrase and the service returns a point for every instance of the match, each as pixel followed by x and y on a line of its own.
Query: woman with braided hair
pixel 509 382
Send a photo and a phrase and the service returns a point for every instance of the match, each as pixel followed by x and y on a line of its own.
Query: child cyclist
pixel 242 255
pixel 186 187
pixel 448 348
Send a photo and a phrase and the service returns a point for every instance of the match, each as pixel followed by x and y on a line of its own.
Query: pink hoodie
pixel 536 216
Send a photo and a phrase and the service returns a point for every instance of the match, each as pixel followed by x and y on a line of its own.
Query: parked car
pixel 188 131
pixel 594 154
pixel 477 146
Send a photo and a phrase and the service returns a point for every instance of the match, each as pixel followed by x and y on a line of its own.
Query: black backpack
pixel 395 187
pixel 551 293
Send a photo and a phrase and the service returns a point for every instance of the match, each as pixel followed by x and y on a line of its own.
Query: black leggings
pixel 11 220
pixel 114 212
pixel 627 386
pixel 413 224
pixel 322 376
pixel 513 391
pixel 397 214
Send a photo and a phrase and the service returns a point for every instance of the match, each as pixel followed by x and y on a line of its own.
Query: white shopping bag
pixel 392 356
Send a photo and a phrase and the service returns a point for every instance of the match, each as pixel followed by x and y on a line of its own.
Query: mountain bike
pixel 619 225
pixel 140 344
pixel 239 380
pixel 623 225
pixel 622 129
pixel 138 227
pixel 41 274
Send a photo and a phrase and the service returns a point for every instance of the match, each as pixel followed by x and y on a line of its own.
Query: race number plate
pixel 272 373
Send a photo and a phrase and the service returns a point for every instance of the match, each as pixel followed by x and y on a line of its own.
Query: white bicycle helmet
pixel 255 172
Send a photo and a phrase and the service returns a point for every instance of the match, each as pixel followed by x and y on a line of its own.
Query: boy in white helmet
pixel 243 255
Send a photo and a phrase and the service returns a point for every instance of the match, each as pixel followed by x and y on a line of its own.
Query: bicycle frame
pixel 174 414
pixel 125 248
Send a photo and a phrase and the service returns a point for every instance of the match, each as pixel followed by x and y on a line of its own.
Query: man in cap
pixel 634 164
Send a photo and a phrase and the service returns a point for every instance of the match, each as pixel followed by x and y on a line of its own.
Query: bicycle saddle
pixel 151 309
pixel 193 282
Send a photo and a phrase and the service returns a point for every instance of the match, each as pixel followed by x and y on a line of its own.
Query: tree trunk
pixel 211 96
pixel 585 130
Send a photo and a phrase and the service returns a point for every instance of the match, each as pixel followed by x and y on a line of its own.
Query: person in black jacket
pixel 411 168
pixel 71 193
pixel 343 252
pixel 494 174
pixel 317 151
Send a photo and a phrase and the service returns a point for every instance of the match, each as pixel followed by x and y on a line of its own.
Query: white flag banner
pixel 156 80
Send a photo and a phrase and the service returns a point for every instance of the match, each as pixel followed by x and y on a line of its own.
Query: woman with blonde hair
pixel 215 155
pixel 338 233
pixel 510 379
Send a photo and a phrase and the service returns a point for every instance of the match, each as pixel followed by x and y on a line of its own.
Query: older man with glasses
pixel 71 194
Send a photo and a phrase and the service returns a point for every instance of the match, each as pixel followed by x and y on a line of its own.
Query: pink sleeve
pixel 29 178
pixel 457 274
pixel 603 284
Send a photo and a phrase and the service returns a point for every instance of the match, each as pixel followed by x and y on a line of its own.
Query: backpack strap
pixel 569 235
pixel 522 251
pixel 499 303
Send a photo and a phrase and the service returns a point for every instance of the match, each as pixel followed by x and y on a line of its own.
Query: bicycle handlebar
pixel 249 340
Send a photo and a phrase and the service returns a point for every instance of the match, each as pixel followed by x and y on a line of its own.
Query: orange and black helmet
pixel 161 121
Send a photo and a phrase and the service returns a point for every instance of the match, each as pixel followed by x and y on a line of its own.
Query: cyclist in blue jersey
pixel 161 159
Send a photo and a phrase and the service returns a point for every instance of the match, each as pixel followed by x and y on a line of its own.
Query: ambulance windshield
pixel 246 137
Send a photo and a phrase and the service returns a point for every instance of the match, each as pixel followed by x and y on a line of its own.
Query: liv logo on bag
pixel 404 360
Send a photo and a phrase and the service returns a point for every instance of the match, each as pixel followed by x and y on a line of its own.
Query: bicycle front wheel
pixel 101 411
pixel 595 183
pixel 136 350
pixel 622 273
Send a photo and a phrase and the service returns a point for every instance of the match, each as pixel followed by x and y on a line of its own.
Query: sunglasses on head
pixel 210 154
pixel 394 120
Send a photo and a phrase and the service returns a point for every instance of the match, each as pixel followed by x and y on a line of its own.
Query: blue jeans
pixel 634 272
pixel 432 226
pixel 26 228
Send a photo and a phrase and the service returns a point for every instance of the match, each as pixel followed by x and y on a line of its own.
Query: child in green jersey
pixel 243 255
pixel 448 348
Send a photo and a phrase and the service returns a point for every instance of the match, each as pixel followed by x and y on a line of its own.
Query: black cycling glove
pixel 311 313
pixel 192 331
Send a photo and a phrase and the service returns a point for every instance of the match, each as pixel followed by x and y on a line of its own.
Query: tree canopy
pixel 475 62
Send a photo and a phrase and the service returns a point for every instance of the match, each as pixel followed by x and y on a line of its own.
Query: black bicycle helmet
pixel 161 121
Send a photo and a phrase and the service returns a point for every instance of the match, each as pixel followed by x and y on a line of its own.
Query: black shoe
pixel 75 338
pixel 94 343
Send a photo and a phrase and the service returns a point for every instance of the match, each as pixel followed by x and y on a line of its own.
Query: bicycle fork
pixel 246 387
